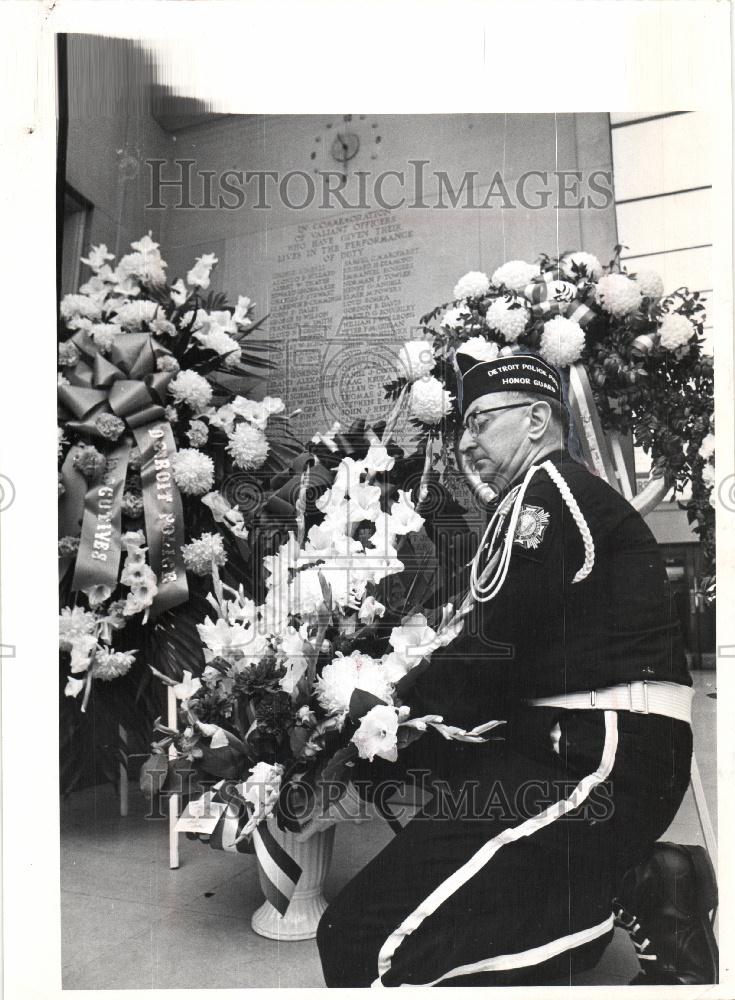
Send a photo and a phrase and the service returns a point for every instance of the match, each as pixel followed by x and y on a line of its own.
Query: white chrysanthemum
pixel 708 475
pixel 416 359
pixel 562 341
pixel 455 318
pixel 191 388
pixel 676 331
pixel 68 354
pixel 430 401
pixel 342 676
pixel 508 317
pixel 480 349
pixel 618 294
pixel 198 433
pixel 516 274
pixel 163 327
pixel 104 334
pixel 200 553
pixel 221 343
pixel 707 449
pixel 248 446
pixel 587 266
pixel 472 285
pixel 167 363
pixel 108 665
pixel 650 283
pixel 133 315
pixel 76 306
pixel 193 471
pixel 73 624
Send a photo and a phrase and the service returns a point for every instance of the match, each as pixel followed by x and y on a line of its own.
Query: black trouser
pixel 507 875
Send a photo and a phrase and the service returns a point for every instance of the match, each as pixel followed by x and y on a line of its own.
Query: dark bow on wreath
pixel 129 386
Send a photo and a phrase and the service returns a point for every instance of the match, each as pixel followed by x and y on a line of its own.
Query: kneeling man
pixel 571 639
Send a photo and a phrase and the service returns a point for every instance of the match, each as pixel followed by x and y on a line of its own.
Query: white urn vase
pixel 313 854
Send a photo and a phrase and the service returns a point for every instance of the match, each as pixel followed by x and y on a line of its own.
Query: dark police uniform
pixel 508 873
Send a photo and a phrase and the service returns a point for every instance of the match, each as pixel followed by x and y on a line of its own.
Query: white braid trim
pixel 566 495
pixel 485 584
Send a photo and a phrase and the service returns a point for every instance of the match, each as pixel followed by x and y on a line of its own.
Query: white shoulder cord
pixel 566 495
pixel 486 583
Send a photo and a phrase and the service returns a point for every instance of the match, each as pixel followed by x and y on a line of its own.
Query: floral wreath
pixel 642 351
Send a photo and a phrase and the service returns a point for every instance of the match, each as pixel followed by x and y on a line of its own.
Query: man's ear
pixel 539 416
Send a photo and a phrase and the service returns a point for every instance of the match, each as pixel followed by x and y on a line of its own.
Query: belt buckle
pixel 638 685
pixel 593 699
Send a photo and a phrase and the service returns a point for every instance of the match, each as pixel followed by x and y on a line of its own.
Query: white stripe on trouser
pixel 478 861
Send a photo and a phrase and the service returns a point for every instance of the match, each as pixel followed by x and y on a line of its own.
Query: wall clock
pixel 343 138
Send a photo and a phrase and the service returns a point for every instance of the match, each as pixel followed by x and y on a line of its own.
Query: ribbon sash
pixel 222 813
pixel 592 437
pixel 164 516
pixel 98 559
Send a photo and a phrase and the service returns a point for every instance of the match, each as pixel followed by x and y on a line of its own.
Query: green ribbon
pixel 128 385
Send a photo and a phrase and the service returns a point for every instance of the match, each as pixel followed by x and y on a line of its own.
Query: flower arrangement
pixel 642 351
pixel 303 683
pixel 153 425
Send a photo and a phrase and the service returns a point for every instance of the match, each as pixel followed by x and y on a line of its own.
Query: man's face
pixel 498 450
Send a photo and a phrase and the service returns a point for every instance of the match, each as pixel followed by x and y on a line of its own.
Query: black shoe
pixel 665 905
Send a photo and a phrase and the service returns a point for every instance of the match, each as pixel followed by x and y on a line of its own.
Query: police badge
pixel 531 525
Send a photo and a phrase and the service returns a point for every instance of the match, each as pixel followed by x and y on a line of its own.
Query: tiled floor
pixel 130 922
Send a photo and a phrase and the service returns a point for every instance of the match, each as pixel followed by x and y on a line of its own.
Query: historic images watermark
pixel 179 183
pixel 360 799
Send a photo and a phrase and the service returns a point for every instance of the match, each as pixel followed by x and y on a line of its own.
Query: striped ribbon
pixel 592 439
pixel 550 295
pixel 645 343
pixel 281 873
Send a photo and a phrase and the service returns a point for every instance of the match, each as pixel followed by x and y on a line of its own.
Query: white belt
pixel 654 697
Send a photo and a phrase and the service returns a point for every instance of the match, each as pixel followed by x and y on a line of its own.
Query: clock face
pixel 342 140
pixel 345 145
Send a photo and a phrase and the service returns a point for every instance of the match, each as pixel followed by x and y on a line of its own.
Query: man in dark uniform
pixel 509 873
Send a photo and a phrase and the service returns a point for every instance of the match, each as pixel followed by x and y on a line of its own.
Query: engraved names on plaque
pixel 340 307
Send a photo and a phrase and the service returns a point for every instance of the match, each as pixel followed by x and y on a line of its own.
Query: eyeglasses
pixel 476 429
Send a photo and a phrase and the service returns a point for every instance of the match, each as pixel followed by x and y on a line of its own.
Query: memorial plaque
pixel 339 306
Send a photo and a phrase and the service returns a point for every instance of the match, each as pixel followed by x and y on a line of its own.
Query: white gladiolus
pixel 377 734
